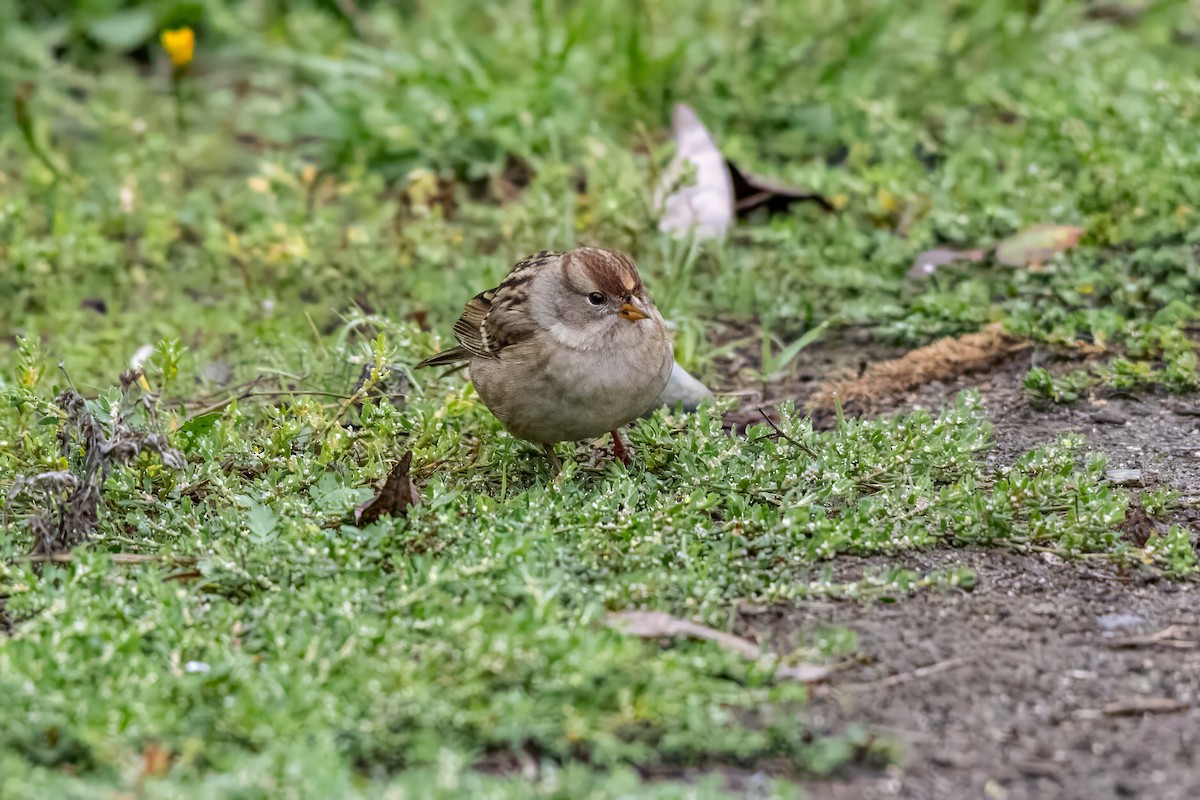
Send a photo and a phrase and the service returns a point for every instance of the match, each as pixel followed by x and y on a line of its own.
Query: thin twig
pixel 361 391
pixel 250 395
pixel 246 391
pixel 904 677
pixel 779 434
pixel 1138 706
pixel 188 575
pixel 334 395
pixel 117 558
pixel 359 394
pixel 1067 554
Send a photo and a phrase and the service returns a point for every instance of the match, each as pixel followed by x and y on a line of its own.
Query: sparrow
pixel 568 347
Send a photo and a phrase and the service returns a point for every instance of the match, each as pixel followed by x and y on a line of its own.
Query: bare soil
pixel 1050 678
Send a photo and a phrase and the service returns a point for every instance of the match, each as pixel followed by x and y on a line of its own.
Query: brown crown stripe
pixel 612 271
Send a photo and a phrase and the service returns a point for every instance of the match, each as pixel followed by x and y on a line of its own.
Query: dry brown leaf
pixel 1031 247
pixel 927 263
pixel 397 494
pixel 156 760
pixel 655 624
pixel 751 192
pixel 1036 244
pixel 943 360
pixel 1144 705
pixel 1138 524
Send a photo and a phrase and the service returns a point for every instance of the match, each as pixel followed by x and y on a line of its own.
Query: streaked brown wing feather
pixel 469 328
pixel 498 318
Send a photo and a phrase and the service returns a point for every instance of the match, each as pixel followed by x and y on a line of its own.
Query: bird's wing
pixel 500 318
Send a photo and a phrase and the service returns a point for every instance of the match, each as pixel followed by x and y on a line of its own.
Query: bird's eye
pixel 596 298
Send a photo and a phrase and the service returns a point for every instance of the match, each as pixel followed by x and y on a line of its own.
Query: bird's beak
pixel 631 312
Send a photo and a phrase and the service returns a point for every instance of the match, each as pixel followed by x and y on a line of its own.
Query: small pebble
pixel 1112 622
pixel 1109 416
pixel 1124 477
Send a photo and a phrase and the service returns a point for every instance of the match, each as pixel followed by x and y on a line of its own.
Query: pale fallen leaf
pixel 655 624
pixel 397 494
pixel 1119 619
pixel 927 263
pixel 1036 244
pixel 141 356
pixel 705 206
pixel 1179 637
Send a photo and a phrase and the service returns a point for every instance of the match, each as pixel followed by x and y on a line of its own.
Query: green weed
pixel 345 180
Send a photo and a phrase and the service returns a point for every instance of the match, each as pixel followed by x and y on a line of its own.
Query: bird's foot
pixel 620 449
pixel 552 457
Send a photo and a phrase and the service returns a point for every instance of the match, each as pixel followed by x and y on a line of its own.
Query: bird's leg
pixel 552 457
pixel 620 449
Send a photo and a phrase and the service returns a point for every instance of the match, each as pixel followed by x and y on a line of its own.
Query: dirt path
pixel 1035 684
pixel 1029 686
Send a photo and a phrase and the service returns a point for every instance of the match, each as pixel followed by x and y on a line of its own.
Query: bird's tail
pixel 455 356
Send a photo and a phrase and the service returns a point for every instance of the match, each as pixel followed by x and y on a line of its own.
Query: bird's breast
pixel 549 393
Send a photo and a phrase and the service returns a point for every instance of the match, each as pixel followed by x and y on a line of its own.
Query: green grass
pixel 285 232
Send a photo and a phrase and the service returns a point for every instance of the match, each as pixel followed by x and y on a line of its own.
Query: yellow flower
pixel 180 45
